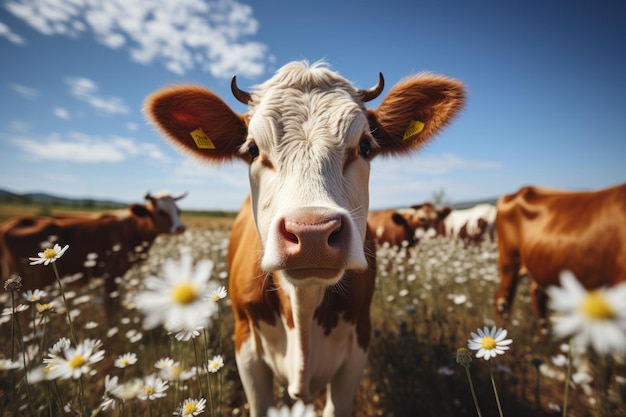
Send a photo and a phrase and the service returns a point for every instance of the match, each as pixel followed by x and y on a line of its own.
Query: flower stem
pixel 567 377
pixel 67 307
pixel 469 379
pixel 495 391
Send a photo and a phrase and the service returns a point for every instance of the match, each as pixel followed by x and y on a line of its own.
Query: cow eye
pixel 253 150
pixel 364 148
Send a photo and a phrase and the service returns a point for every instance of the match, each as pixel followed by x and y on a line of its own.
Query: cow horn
pixel 183 195
pixel 240 95
pixel 371 93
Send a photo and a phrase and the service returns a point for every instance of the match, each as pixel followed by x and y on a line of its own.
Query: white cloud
pixel 26 92
pixel 82 148
pixel 86 90
pixel 6 32
pixel 444 163
pixel 211 34
pixel 61 113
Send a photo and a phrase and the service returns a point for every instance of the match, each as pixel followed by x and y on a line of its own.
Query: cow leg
pixel 342 388
pixel 539 300
pixel 505 294
pixel 256 377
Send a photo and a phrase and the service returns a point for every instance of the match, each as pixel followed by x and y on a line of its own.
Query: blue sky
pixel 546 83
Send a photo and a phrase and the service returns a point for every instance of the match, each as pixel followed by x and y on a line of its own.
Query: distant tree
pixel 439 198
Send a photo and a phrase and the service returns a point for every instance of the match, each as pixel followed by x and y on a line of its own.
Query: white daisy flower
pixel 215 364
pixel 185 335
pixel 125 360
pixel 218 294
pixel 298 410
pixel 595 318
pixel 49 255
pixel 191 407
pixel 153 388
pixel 489 343
pixel 179 297
pixel 34 296
pixel 74 362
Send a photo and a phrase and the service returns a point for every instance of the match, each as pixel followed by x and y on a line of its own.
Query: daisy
pixel 33 296
pixel 298 410
pixel 178 298
pixel 218 294
pixel 153 388
pixel 185 335
pixel 49 255
pixel 125 360
pixel 191 407
pixel 216 364
pixel 74 362
pixel 6 364
pixel 595 318
pixel 489 343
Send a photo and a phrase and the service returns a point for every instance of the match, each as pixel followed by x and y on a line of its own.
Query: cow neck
pixel 304 302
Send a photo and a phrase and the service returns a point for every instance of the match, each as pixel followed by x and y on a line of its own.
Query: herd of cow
pixel 308 140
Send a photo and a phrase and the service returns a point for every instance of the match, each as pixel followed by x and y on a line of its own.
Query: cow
pixel 395 227
pixel 545 231
pixel 474 224
pixel 111 241
pixel 301 257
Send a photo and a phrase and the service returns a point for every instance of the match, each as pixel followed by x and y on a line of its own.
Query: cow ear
pixel 414 111
pixel 443 212
pixel 139 210
pixel 198 121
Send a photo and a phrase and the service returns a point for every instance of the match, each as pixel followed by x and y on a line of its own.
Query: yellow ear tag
pixel 413 129
pixel 202 139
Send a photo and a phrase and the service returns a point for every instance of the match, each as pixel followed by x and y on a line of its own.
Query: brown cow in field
pixel 111 240
pixel 547 231
pixel 302 262
pixel 397 226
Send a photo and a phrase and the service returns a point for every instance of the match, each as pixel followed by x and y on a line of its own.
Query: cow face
pixel 308 139
pixel 166 213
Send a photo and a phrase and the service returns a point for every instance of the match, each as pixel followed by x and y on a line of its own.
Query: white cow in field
pixel 473 224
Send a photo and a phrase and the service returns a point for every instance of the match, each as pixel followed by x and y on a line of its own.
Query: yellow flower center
pixel 190 408
pixel 148 390
pixel 595 306
pixel 184 293
pixel 77 361
pixel 215 365
pixel 125 361
pixel 488 343
pixel 49 253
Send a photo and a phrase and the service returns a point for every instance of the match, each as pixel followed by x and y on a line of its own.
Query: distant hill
pixel 8 197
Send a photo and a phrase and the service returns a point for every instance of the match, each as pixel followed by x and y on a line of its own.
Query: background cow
pixel 397 226
pixel 547 231
pixel 474 224
pixel 302 265
pixel 111 241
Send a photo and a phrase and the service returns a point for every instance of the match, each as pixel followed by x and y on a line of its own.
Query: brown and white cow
pixel 302 263
pixel 395 227
pixel 113 237
pixel 546 231
pixel 473 224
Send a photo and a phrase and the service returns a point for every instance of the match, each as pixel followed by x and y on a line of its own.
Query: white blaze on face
pixel 309 180
pixel 165 205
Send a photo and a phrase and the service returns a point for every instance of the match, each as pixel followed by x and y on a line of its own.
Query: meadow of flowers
pixel 435 349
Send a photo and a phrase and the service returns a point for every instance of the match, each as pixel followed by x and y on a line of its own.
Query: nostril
pixel 334 239
pixel 286 234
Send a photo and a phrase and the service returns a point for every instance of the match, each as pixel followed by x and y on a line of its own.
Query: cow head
pixel 308 139
pixel 165 212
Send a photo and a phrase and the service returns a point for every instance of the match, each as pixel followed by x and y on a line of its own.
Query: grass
pixel 428 300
